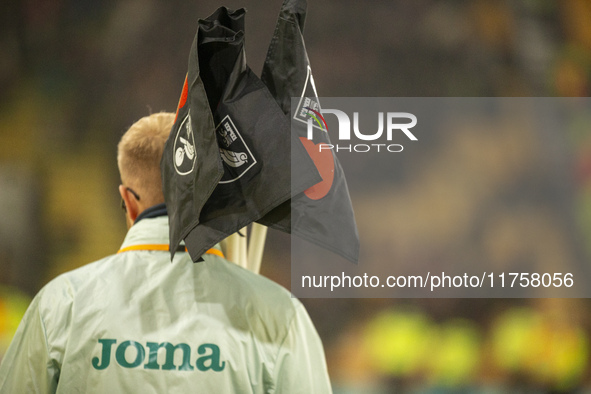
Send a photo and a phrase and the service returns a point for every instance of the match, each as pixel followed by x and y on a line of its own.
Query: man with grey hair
pixel 135 322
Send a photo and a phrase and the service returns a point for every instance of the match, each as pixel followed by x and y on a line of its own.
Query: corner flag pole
pixel 233 248
pixel 242 237
pixel 256 246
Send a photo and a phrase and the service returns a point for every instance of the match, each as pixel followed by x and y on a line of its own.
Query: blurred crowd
pixel 75 74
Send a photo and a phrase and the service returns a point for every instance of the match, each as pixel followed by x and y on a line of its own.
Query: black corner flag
pixel 226 162
pixel 323 214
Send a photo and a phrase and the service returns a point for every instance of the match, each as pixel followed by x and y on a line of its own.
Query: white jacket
pixel 135 322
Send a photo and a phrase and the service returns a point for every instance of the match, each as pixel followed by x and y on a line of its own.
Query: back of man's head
pixel 139 153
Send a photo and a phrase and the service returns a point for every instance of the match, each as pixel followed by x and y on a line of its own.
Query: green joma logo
pixel 208 356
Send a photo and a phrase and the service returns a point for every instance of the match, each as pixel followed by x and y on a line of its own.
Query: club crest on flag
pixel 184 148
pixel 308 100
pixel 236 155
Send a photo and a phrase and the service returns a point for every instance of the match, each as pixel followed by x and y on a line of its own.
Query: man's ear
pixel 131 204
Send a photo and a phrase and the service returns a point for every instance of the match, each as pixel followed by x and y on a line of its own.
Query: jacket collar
pixel 148 231
pixel 152 212
pixel 151 231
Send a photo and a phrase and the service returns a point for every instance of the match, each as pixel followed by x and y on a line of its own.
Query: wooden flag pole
pixel 224 246
pixel 236 251
pixel 256 246
pixel 233 248
pixel 243 256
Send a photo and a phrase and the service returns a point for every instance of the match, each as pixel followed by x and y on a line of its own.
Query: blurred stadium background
pixel 75 74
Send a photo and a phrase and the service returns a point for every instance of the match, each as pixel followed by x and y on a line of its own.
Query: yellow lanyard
pixel 163 248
